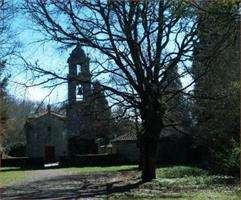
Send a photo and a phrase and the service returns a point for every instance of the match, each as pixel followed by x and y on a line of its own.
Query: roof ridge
pixel 130 136
pixel 38 115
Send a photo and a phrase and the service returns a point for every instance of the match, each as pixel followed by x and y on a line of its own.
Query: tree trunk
pixel 148 148
pixel 152 111
pixel 149 155
pixel 141 154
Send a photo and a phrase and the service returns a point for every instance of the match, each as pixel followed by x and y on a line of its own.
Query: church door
pixel 49 154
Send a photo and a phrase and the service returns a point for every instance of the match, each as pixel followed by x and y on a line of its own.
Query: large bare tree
pixel 139 42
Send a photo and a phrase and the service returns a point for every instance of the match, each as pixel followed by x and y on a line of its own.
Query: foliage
pixel 17 150
pixel 17 113
pixel 216 103
pixel 3 112
pixel 8 45
pixel 178 107
pixel 122 122
pixel 228 159
pixel 180 172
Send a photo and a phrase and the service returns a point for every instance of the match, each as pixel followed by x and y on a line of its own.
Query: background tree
pixel 3 84
pixel 101 113
pixel 122 122
pixel 17 112
pixel 8 46
pixel 141 42
pixel 216 108
pixel 178 107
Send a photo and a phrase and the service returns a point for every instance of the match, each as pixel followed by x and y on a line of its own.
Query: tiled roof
pixel 126 137
pixel 36 116
pixel 170 132
pixel 167 132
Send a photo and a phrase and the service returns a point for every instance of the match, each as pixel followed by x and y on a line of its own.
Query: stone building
pixel 50 135
pixel 174 147
pixel 46 136
pixel 126 147
pixel 88 114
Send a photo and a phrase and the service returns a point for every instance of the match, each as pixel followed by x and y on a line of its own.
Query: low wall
pixel 127 151
pixel 94 160
pixel 76 160
pixel 24 162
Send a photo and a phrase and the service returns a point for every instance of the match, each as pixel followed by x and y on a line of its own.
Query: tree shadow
pixel 69 187
pixel 20 169
pixel 12 169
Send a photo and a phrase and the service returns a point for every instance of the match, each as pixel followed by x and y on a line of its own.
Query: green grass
pixel 186 177
pixel 201 195
pixel 213 195
pixel 180 172
pixel 86 170
pixel 13 175
pixel 197 184
pixel 178 182
pixel 186 183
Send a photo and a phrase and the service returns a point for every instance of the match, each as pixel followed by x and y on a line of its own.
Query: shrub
pixel 180 172
pixel 17 150
pixel 228 160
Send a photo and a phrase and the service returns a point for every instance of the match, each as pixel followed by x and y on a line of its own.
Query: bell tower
pixel 79 76
pixel 79 79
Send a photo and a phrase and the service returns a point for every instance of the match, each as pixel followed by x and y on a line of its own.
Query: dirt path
pixel 56 184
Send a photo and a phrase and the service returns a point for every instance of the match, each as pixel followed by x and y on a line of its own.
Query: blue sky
pixel 47 56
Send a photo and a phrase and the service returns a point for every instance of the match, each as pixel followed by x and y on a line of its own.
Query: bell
pixel 80 91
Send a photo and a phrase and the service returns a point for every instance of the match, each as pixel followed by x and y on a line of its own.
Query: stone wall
pixel 127 150
pixel 46 130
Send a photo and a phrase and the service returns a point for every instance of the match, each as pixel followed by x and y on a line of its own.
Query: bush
pixel 228 160
pixel 180 172
pixel 17 150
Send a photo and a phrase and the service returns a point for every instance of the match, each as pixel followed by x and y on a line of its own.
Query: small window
pixel 49 129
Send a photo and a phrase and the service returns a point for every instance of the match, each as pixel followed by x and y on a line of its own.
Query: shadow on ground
pixel 72 187
pixel 13 169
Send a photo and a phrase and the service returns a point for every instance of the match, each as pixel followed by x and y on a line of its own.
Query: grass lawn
pixel 86 170
pixel 15 175
pixel 177 182
pixel 186 183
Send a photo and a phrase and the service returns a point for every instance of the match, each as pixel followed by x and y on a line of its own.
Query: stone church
pixel 50 135
pixel 46 136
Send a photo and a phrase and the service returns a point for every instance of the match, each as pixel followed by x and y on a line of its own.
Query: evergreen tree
pixel 101 112
pixel 177 104
pixel 3 113
pixel 216 104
